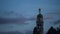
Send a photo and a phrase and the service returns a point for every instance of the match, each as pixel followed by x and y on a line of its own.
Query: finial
pixel 39 10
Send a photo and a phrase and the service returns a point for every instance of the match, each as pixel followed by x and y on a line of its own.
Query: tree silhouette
pixel 58 30
pixel 35 30
pixel 51 31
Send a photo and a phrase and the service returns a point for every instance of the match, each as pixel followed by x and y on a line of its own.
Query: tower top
pixel 39 15
pixel 39 10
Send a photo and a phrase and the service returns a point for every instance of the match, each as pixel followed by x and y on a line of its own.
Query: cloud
pixel 19 20
pixel 32 18
pixel 45 18
pixel 54 12
pixel 11 32
pixel 57 22
pixel 4 13
pixel 29 32
pixel 12 20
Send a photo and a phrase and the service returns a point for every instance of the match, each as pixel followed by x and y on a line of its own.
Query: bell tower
pixel 38 29
pixel 39 23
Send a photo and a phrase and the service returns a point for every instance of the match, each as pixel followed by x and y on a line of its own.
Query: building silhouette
pixel 39 24
pixel 53 31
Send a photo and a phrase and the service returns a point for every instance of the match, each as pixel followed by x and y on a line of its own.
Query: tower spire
pixel 39 10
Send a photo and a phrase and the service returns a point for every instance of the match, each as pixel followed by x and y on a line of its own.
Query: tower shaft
pixel 39 23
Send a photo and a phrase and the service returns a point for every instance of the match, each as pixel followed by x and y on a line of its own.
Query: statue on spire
pixel 39 10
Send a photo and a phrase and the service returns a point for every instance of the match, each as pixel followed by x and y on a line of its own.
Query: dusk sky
pixel 20 15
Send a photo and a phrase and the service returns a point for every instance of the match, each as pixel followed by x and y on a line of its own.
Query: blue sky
pixel 25 11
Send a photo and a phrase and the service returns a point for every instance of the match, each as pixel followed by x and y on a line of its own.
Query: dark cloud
pixel 32 18
pixel 7 13
pixel 22 19
pixel 19 20
pixel 12 20
pixel 57 22
pixel 11 12
pixel 11 32
pixel 57 14
pixel 29 32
